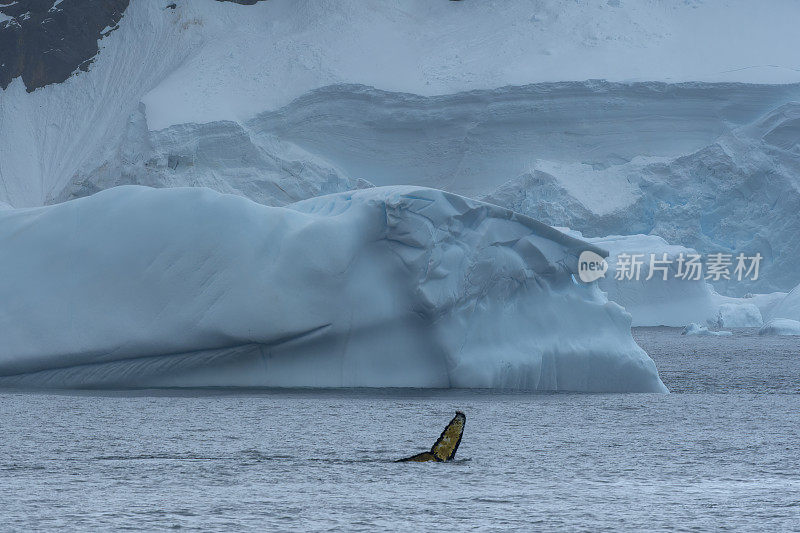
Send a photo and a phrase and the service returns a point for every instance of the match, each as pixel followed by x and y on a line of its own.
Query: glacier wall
pixel 391 286
pixel 473 142
pixel 713 167
pixel 186 66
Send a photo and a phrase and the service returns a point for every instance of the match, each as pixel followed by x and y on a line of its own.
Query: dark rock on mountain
pixel 47 40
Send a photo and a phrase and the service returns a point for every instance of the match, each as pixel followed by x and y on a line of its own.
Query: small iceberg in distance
pixel 697 329
pixel 383 287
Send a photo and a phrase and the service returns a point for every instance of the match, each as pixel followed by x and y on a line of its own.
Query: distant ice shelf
pixel 389 286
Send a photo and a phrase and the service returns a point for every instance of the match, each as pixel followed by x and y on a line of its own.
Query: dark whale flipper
pixel 444 449
pixel 419 458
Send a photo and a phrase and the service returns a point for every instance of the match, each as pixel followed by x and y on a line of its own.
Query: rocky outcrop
pixel 46 41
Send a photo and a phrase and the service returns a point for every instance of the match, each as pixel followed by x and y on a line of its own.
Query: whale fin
pixel 423 457
pixel 444 449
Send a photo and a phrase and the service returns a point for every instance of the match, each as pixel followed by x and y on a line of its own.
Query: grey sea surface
pixel 722 451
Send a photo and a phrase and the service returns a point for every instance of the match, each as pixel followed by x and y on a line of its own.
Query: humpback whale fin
pixel 444 449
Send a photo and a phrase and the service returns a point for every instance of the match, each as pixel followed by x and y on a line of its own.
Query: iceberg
pixel 781 326
pixel 698 329
pixel 398 286
pixel 784 316
pixel 730 315
pixel 656 301
pixel 674 301
pixel 788 306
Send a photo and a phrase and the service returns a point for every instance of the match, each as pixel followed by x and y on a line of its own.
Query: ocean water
pixel 722 451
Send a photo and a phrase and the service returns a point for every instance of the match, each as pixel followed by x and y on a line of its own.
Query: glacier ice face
pixel 472 143
pixel 225 156
pixel 392 286
pixel 602 158
pixel 738 194
pixel 709 166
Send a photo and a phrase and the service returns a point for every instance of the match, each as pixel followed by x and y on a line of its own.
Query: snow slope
pixel 396 286
pixel 282 49
pixel 48 136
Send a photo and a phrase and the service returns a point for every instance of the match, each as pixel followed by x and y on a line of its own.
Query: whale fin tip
pixel 445 447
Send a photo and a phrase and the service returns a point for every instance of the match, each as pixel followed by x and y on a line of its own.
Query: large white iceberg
pixel 392 286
